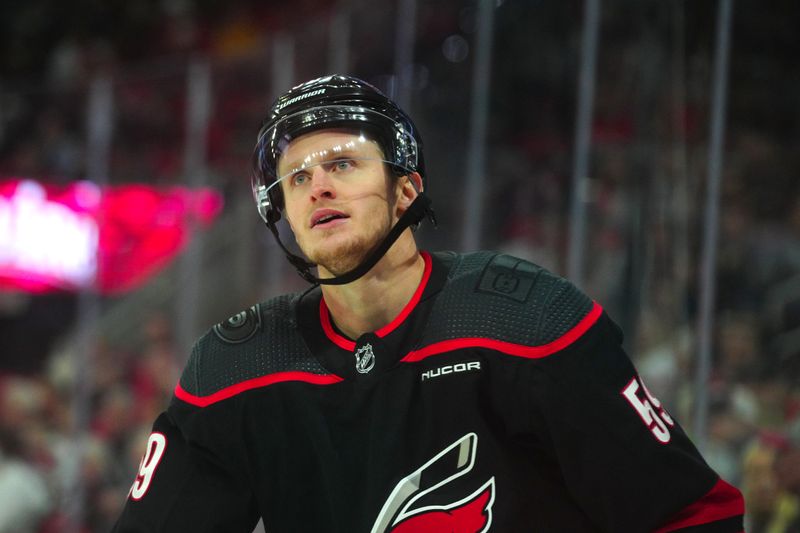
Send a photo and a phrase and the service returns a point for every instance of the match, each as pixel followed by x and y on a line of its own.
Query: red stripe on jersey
pixel 520 350
pixel 412 303
pixel 255 383
pixel 721 502
pixel 325 320
pixel 347 344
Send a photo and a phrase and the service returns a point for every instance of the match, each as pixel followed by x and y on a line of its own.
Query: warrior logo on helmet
pixel 298 98
pixel 402 512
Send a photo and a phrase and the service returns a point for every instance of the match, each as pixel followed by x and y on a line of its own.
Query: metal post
pixel 99 121
pixel 680 203
pixel 282 63
pixel 404 52
pixel 583 130
pixel 3 129
pixel 642 192
pixel 283 78
pixel 339 41
pixel 99 129
pixel 705 323
pixel 479 110
pixel 198 112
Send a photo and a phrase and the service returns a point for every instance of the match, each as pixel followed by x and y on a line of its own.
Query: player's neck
pixel 375 299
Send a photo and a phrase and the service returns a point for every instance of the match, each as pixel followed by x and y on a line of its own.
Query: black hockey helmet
pixel 336 102
pixel 332 102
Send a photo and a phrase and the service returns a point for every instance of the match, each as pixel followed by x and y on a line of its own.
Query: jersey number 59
pixel 654 416
pixel 156 445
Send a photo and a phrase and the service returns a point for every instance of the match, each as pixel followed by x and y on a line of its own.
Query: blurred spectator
pixel 771 485
pixel 238 34
pixel 739 354
pixel 67 66
pixel 181 33
pixel 155 370
pixel 663 357
pixel 61 152
pixel 787 508
pixel 25 497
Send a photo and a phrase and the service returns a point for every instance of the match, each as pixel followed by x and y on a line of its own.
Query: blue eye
pixel 339 165
pixel 298 179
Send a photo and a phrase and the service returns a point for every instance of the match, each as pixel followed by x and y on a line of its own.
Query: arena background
pixel 647 149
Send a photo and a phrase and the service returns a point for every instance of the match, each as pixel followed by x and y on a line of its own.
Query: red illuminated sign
pixel 82 236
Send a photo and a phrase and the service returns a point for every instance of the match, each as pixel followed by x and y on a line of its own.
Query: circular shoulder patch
pixel 241 326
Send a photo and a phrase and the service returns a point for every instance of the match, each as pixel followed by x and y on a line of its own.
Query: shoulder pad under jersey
pixel 500 297
pixel 254 344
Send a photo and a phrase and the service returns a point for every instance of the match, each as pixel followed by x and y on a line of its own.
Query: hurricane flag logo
pixel 471 514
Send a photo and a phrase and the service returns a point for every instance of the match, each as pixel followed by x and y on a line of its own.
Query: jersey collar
pixel 390 343
pixel 346 344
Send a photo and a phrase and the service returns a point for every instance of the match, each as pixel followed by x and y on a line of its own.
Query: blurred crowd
pixel 645 202
pixel 51 470
pixel 643 256
pixel 44 122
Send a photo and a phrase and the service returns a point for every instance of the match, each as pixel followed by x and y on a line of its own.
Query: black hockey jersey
pixel 498 400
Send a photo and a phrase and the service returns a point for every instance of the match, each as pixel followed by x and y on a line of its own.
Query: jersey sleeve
pixel 623 457
pixel 184 487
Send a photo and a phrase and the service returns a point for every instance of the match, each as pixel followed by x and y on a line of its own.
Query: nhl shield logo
pixel 365 358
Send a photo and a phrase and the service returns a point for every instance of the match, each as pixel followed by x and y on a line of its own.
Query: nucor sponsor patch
pixel 451 369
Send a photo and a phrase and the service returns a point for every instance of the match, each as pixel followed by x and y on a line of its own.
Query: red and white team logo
pixel 471 514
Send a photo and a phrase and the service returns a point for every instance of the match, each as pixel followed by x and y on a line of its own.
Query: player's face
pixel 339 197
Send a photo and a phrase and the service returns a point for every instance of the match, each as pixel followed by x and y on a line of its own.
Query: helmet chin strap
pixel 419 208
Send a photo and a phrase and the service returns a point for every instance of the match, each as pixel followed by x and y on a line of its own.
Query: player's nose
pixel 322 185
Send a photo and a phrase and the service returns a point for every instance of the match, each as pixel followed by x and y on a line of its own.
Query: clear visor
pixel 324 149
pixel 342 141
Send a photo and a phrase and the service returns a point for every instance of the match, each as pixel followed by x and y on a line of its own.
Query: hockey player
pixel 408 391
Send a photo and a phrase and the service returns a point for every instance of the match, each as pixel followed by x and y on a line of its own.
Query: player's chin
pixel 341 255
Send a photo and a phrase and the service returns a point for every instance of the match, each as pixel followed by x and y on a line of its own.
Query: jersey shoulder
pixel 497 296
pixel 257 343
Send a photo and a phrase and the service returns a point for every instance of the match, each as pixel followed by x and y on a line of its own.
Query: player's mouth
pixel 327 218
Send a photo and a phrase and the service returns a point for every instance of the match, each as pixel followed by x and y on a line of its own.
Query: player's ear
pixel 408 188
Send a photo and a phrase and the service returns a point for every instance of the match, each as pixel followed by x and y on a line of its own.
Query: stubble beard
pixel 350 253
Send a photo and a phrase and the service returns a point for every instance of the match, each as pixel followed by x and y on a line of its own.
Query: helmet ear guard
pixel 273 215
pixel 337 102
